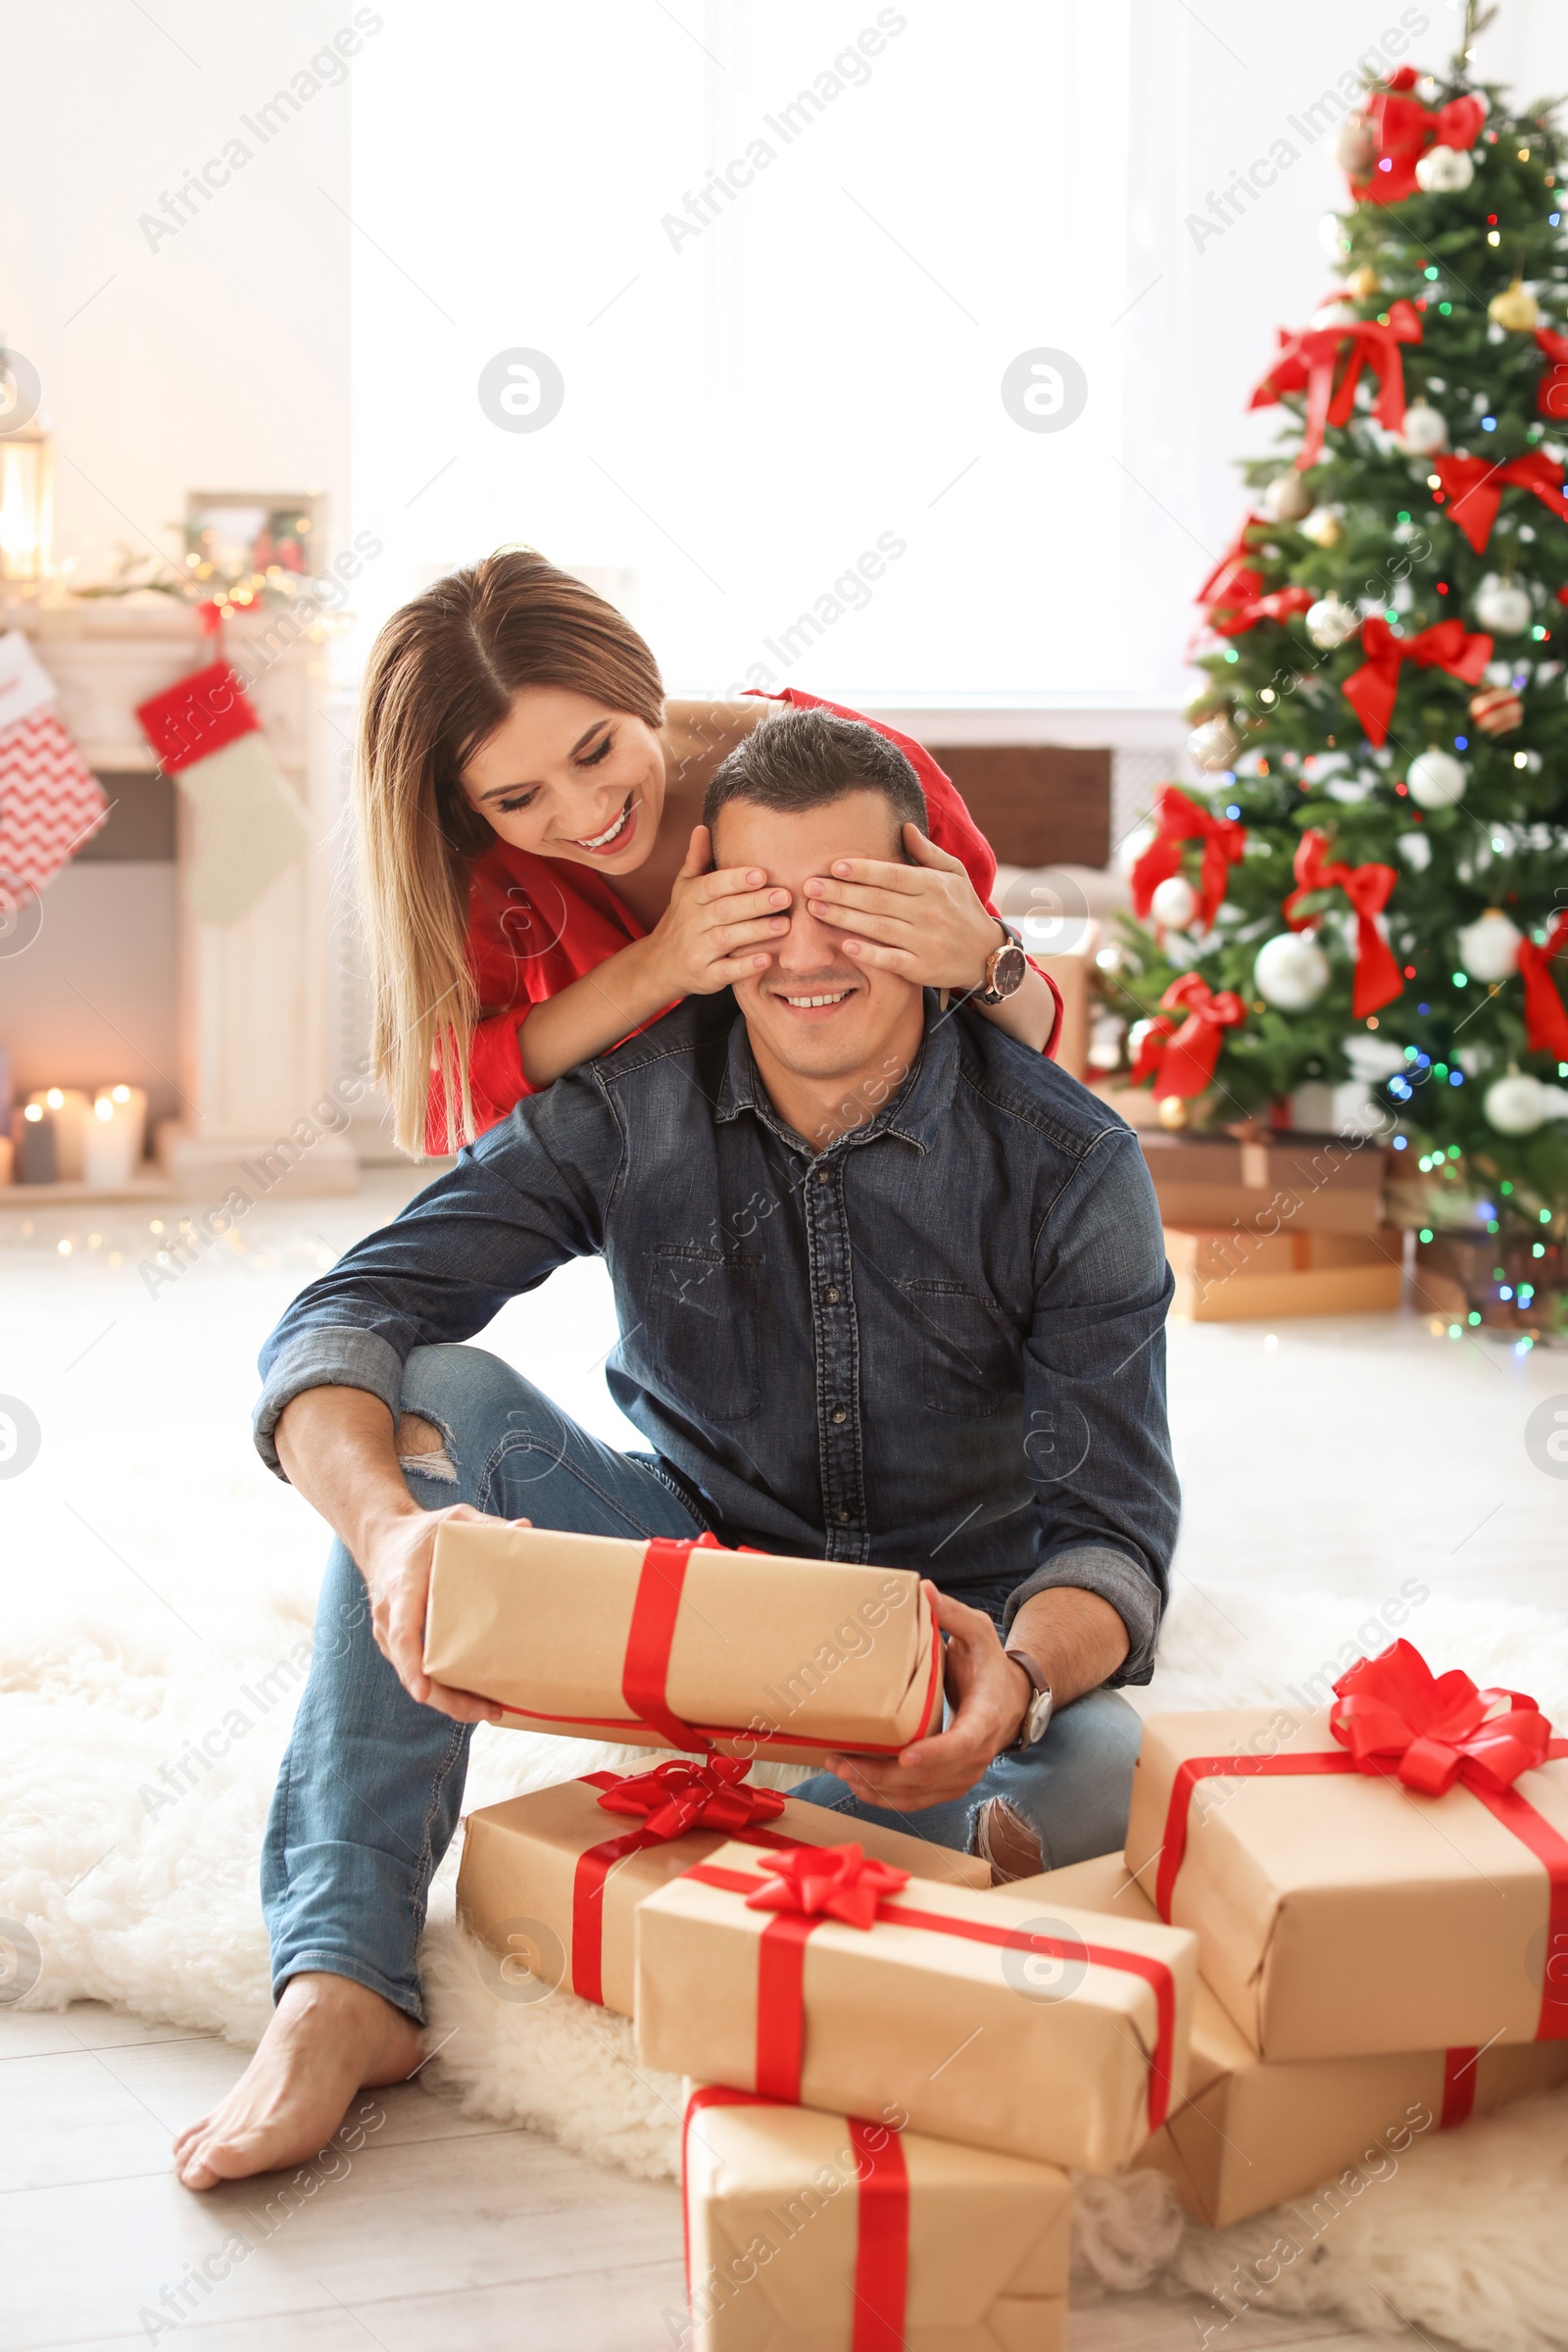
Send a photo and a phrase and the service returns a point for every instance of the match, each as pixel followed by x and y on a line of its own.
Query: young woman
pixel 538 880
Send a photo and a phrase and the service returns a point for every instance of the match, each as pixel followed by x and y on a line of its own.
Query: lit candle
pixel 128 1108
pixel 112 1145
pixel 68 1109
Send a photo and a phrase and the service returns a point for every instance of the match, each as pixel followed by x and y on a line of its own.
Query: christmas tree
pixel 1372 883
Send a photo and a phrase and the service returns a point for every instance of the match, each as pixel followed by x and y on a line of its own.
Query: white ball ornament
pixel 1334 314
pixel 1502 606
pixel 1140 839
pixel 1437 779
pixel 1329 622
pixel 1290 972
pixel 1513 1104
pixel 1444 172
pixel 1174 903
pixel 1489 947
pixel 1425 431
pixel 1288 499
pixel 1216 745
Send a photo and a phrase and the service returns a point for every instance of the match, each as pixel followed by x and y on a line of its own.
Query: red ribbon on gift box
pixel 1178 819
pixel 882 2217
pixel 674 1797
pixel 1307 359
pixel 1377 978
pixel 1545 1018
pixel 1396 1719
pixel 1371 690
pixel 1473 488
pixel 816 1883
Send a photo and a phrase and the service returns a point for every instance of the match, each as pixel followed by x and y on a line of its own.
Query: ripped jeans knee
pixel 422 1448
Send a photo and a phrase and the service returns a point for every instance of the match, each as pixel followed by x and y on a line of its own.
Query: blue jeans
pixel 370 1789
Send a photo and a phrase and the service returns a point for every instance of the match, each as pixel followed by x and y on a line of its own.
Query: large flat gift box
pixel 1287 1183
pixel 1253 2132
pixel 683 1646
pixel 1341 1910
pixel 1235 1276
pixel 556 1876
pixel 817 2232
pixel 822 1978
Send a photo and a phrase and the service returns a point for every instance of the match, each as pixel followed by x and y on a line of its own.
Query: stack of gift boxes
pixel 1327 1936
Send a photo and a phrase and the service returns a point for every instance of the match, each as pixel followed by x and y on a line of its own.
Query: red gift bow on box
pixel 1551 386
pixel 882 2219
pixel 1378 979
pixel 1473 488
pixel 1546 1019
pixel 1306 362
pixel 1371 691
pixel 1177 819
pixel 817 1883
pixel 1397 1720
pixel 1182 1060
pixel 677 1797
pixel 1404 131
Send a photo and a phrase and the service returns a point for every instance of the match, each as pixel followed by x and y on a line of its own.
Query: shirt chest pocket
pixel 703 1314
pixel 970 1360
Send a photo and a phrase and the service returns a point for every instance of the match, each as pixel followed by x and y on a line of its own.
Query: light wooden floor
pixel 441 2236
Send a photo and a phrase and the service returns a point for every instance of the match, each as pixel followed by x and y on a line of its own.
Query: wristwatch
pixel 1006 967
pixel 1037 1715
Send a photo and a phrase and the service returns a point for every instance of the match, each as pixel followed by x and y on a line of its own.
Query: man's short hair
pixel 807 760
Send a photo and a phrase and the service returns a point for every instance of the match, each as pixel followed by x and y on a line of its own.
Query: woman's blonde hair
pixel 441 679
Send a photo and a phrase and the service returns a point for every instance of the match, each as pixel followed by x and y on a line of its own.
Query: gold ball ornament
pixel 1173 1113
pixel 1515 309
pixel 1364 282
pixel 1497 711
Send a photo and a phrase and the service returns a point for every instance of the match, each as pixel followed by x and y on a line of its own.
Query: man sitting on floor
pixel 892 1288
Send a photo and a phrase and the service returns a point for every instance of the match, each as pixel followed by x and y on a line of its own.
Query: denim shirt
pixel 937 1344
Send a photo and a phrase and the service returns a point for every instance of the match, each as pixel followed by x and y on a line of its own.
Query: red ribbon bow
pixel 1235 576
pixel 1178 819
pixel 1474 487
pixel 678 1797
pixel 1378 979
pixel 1546 1019
pixel 1404 131
pixel 1435 1728
pixel 1234 620
pixel 829 1881
pixel 1182 1060
pixel 1307 359
pixel 1372 689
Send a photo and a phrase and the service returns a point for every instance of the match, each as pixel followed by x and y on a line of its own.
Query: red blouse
pixel 536 924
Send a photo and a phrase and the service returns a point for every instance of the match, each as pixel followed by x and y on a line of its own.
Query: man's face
pixel 816 1013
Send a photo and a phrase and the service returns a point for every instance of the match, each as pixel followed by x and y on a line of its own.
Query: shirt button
pixel 844 1518
pixel 832 1297
pixel 841 1414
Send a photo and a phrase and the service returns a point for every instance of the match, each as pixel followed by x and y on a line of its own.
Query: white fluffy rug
pixel 153 1905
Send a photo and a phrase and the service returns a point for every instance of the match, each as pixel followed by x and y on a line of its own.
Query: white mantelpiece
pixel 254 996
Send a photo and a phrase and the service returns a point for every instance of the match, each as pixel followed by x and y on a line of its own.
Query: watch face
pixel 1039 1715
pixel 1008 968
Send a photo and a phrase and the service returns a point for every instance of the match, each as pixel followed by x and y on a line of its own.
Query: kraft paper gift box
pixel 1275 1183
pixel 554 1880
pixel 1339 1909
pixel 946 2006
pixel 1252 2132
pixel 818 2233
pixel 683 1646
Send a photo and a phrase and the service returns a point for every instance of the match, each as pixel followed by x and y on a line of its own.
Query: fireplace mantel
pixel 254 997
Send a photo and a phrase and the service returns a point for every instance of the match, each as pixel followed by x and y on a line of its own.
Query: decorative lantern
pixel 27 474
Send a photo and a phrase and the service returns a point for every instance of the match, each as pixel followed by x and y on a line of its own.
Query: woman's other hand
pixel 923 921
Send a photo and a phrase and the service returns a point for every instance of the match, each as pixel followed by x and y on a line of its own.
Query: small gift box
pixel 1253 2132
pixel 559 1875
pixel 683 1646
pixel 844 2234
pixel 824 1976
pixel 1393 1875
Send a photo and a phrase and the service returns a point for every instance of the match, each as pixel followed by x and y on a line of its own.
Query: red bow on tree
pixel 1236 620
pixel 1181 1061
pixel 1474 487
pixel 1546 1019
pixel 1404 131
pixel 829 1881
pixel 678 1797
pixel 1234 577
pixel 1393 1714
pixel 1552 385
pixel 1378 979
pixel 1307 359
pixel 1371 690
pixel 1178 819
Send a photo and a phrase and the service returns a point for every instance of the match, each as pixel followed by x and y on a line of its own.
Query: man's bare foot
pixel 329 2038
